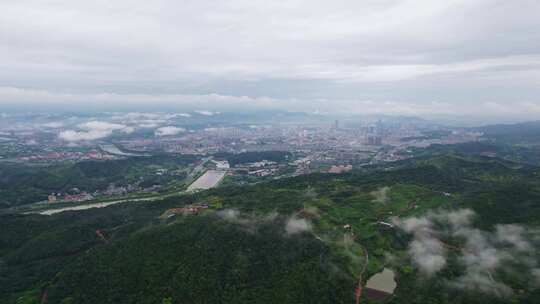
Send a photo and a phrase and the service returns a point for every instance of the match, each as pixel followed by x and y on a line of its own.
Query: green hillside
pixel 24 184
pixel 294 240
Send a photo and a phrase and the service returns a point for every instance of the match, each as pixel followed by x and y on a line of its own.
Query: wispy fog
pixel 483 254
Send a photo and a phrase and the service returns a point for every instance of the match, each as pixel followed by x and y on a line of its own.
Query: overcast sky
pixel 462 57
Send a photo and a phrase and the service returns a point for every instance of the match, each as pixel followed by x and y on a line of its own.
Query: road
pixel 96 205
pixel 195 171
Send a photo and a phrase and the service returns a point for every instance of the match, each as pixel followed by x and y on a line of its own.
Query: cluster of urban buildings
pixel 187 210
pixel 69 198
pixel 261 168
pixel 63 156
pixel 333 147
pixel 339 143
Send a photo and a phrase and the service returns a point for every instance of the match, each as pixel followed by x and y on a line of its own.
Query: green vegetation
pixel 223 263
pixel 23 184
pixel 240 250
pixel 521 133
pixel 513 153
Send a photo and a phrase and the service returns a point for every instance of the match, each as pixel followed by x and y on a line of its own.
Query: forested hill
pixel 519 133
pixel 297 240
pixel 205 260
pixel 26 183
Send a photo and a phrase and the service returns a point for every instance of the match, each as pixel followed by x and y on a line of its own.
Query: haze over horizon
pixel 478 59
pixel 250 151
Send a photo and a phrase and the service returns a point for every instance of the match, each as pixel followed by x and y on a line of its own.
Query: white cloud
pixel 147 120
pixel 53 125
pixel 72 136
pixel 229 214
pixel 297 225
pixel 381 195
pixel 206 113
pixel 149 125
pixel 169 131
pixel 128 130
pixel 477 282
pixel 101 126
pixel 427 251
pixel 93 130
pixel 483 254
pixel 513 235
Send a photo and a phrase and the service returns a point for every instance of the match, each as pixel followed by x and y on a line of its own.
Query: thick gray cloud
pixel 403 57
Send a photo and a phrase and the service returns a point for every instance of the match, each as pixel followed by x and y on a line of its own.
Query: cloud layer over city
pixel 479 58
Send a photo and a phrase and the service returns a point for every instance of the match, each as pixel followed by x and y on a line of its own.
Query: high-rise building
pixel 374 140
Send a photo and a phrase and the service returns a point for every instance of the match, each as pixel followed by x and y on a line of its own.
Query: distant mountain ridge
pixel 518 133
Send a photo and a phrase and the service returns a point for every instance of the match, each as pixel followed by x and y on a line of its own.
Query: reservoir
pixel 382 282
pixel 208 180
